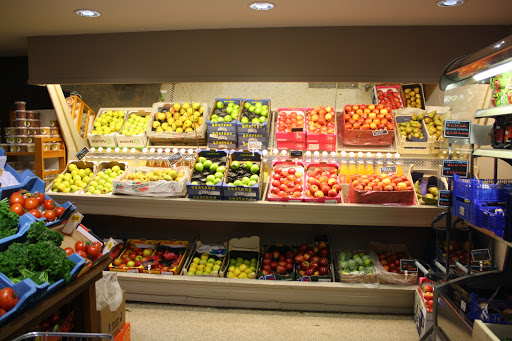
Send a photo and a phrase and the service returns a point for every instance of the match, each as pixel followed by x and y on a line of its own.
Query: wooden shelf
pixel 20 154
pixel 256 211
pixel 259 294
pixel 496 153
pixel 490 234
pixel 54 153
pixel 58 171
pixel 493 112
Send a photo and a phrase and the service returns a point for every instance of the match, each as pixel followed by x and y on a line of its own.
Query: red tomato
pixel 49 204
pixel 69 251
pixel 82 253
pixel 79 246
pixel 59 211
pixel 2 312
pixel 17 208
pixel 8 299
pixel 16 198
pixel 98 244
pixel 35 212
pixel 40 198
pixel 31 203
pixel 50 215
pixel 93 250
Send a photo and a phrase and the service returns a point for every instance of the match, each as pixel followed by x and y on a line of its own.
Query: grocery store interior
pixel 266 170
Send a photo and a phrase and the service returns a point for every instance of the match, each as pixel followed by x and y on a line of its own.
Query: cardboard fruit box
pixel 355 276
pixel 382 93
pixel 294 139
pixel 316 278
pixel 171 266
pixel 222 139
pixel 367 137
pixel 223 126
pixel 244 193
pixel 417 90
pixel 203 191
pixel 134 141
pixel 104 140
pixel 130 245
pixel 101 167
pixel 388 277
pixel 327 141
pixel 217 252
pixel 254 128
pixel 80 165
pixel 246 248
pixel 285 166
pixel 283 249
pixel 324 166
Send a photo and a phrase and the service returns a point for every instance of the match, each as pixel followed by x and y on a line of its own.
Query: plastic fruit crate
pixel 463 209
pixel 477 313
pixel 486 217
pixel 24 289
pixel 482 190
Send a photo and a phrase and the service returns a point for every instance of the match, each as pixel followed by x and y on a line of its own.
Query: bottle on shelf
pixel 361 169
pixel 369 167
pixel 344 174
pixel 399 168
pixel 351 169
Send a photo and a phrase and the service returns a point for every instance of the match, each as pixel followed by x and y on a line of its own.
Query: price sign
pixel 408 265
pixel 388 169
pixel 458 129
pixel 297 129
pixel 444 198
pixel 296 153
pixel 380 132
pixel 459 167
pixel 82 153
pixel 254 145
pixel 480 255
pixel 174 159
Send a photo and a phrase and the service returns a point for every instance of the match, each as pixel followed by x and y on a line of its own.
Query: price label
pixel 480 255
pixel 388 169
pixel 380 132
pixel 459 167
pixel 174 159
pixel 444 198
pixel 254 145
pixel 296 153
pixel 408 265
pixel 82 153
pixel 297 129
pixel 459 129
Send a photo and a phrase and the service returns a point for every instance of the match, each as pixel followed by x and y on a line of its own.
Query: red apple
pixel 298 259
pixel 322 244
pixel 323 270
pixel 289 267
pixel 324 252
pixel 267 268
pixel 273 265
pixel 267 261
pixel 324 261
pixel 281 269
pixel 309 272
pixel 307 257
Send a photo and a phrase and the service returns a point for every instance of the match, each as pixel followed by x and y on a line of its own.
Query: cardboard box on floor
pixel 111 322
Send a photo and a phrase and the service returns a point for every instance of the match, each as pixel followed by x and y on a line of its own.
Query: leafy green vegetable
pixel 40 258
pixel 8 220
pixel 38 232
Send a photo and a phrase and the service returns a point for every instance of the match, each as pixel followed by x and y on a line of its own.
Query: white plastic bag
pixel 108 292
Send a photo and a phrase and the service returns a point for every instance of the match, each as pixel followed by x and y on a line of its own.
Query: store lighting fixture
pixel 262 6
pixel 493 71
pixel 88 13
pixel 449 3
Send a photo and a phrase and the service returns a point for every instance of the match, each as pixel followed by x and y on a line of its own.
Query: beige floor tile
pixel 173 322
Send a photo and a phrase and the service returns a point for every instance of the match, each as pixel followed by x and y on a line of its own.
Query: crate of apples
pixel 386 258
pixel 277 264
pixel 388 95
pixel 367 125
pixel 290 128
pixel 322 183
pixel 321 128
pixel 131 259
pixel 381 189
pixel 313 263
pixel 286 182
pixel 427 294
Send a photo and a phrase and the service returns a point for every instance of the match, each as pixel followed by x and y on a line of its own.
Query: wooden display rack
pixel 41 155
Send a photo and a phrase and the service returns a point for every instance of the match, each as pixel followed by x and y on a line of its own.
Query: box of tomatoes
pixel 388 94
pixel 286 182
pixel 290 128
pixel 321 129
pixel 368 125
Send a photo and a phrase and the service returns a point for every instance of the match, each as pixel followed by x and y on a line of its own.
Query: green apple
pixel 116 169
pixel 228 118
pixel 251 183
pixel 220 104
pixel 237 183
pixel 207 164
pixel 262 119
pixel 219 175
pixel 248 165
pixel 244 120
pixel 235 165
pixel 245 180
pixel 255 169
pixel 247 105
pixel 213 167
pixel 256 120
pixel 199 167
pixel 209 183
pixel 201 159
pixel 216 181
pixel 210 178
pixel 229 109
pixel 221 169
pixel 254 177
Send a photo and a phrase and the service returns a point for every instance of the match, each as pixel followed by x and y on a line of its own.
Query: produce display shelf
pixel 493 112
pixel 256 211
pixel 497 153
pixel 490 234
pixel 260 294
pixel 19 154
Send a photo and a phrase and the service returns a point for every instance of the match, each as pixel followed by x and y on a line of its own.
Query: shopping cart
pixel 43 336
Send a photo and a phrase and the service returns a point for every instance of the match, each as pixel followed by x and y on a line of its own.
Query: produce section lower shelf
pixel 259 294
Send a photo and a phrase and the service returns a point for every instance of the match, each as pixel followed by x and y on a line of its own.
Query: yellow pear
pixel 169 129
pixel 186 105
pixel 156 124
pixel 190 111
pixel 188 129
pixel 176 116
pixel 165 125
pixel 171 120
pixel 179 130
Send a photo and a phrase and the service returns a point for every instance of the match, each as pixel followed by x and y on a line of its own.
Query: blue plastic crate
pixel 79 263
pixel 25 290
pixel 24 224
pixel 462 187
pixel 486 217
pixel 487 190
pixel 463 209
pixel 477 313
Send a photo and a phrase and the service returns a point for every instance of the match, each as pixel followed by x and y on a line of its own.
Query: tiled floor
pixel 174 322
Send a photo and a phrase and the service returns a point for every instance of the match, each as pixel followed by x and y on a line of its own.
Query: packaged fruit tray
pixel 168 258
pixel 368 125
pixel 208 174
pixel 388 95
pixel 66 180
pixel 286 182
pixel 386 259
pixel 102 182
pixel 133 133
pixel 355 267
pixel 321 129
pixel 313 263
pixel 224 115
pixel 105 126
pixel 243 179
pixel 291 129
pixel 385 189
pixel 203 255
pixel 177 122
pixel 153 182
pixel 277 263
pixel 136 252
pixel 322 183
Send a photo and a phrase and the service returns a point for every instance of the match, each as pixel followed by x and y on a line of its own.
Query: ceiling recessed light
pixel 449 3
pixel 87 13
pixel 262 6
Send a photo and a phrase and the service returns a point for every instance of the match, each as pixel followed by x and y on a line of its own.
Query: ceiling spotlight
pixel 449 3
pixel 89 13
pixel 261 6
